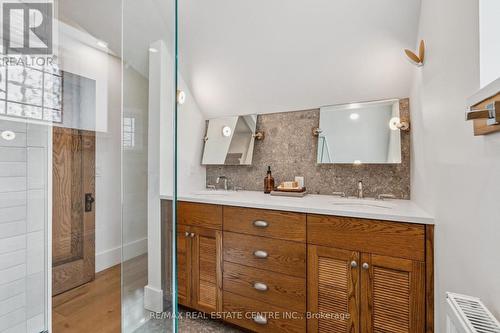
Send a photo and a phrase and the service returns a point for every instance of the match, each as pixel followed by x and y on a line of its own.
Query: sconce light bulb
pixel 226 131
pixel 395 123
pixel 181 97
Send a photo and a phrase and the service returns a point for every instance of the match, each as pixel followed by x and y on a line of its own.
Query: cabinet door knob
pixel 260 286
pixel 354 264
pixel 260 224
pixel 260 254
pixel 192 235
pixel 366 265
pixel 260 319
pixel 187 234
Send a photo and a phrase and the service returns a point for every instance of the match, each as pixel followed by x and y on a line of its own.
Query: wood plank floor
pixel 93 307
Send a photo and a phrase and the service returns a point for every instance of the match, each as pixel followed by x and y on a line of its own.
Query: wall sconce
pixel 396 124
pixel 181 97
pixel 417 60
pixel 316 131
pixel 226 131
pixel 259 136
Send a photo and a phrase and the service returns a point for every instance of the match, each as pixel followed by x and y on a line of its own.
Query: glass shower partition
pixel 148 165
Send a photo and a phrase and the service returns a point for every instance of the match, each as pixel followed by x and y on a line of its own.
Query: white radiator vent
pixel 469 315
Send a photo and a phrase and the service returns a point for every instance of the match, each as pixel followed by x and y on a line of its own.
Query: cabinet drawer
pixel 267 223
pixel 285 291
pixel 199 215
pixel 273 319
pixel 405 240
pixel 276 255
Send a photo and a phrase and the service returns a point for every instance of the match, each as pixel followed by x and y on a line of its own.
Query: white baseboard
pixel 153 299
pixel 112 257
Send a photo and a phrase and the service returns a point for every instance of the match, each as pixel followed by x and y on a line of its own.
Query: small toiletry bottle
pixel 268 181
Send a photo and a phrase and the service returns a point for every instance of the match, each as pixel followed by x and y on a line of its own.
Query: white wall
pixel 191 130
pixel 135 164
pixel 108 177
pixel 455 175
pixel 190 133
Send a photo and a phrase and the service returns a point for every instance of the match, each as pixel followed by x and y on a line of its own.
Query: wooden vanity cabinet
pixel 199 258
pixel 349 275
pixel 333 289
pixel 380 293
pixel 392 294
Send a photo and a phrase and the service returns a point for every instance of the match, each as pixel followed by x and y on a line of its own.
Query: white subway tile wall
pixel 23 221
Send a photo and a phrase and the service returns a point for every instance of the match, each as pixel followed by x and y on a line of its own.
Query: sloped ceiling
pixel 260 56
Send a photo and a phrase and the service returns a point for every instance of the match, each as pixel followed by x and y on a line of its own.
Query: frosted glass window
pixel 489 27
pixel 23 94
pixel 23 110
pixel 31 93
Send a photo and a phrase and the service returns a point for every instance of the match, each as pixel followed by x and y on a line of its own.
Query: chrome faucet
pixel 360 190
pixel 224 178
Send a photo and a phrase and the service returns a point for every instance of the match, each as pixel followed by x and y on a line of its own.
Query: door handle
pixel 89 200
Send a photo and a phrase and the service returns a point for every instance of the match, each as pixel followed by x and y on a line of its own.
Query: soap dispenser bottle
pixel 268 181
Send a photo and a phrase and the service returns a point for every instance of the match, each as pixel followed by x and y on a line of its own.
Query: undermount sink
pixel 363 203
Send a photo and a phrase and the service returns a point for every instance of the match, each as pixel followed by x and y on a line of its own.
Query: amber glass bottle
pixel 268 181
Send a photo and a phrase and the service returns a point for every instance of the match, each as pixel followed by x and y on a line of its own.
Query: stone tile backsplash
pixel 290 149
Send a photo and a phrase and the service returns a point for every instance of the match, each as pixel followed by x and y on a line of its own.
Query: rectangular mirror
pixel 230 141
pixel 360 133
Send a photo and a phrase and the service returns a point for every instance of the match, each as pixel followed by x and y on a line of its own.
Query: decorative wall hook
pixel 418 60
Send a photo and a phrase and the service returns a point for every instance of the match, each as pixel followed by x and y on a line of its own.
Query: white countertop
pixel 389 210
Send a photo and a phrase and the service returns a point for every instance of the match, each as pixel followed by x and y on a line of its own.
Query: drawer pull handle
pixel 260 224
pixel 260 254
pixel 260 319
pixel 260 286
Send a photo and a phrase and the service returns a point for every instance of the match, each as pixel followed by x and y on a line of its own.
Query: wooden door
pixel 183 265
pixel 207 270
pixel 73 211
pixel 333 290
pixel 393 292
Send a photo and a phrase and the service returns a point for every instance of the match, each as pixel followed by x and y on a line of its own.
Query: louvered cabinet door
pixel 207 270
pixel 393 291
pixel 183 265
pixel 333 290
